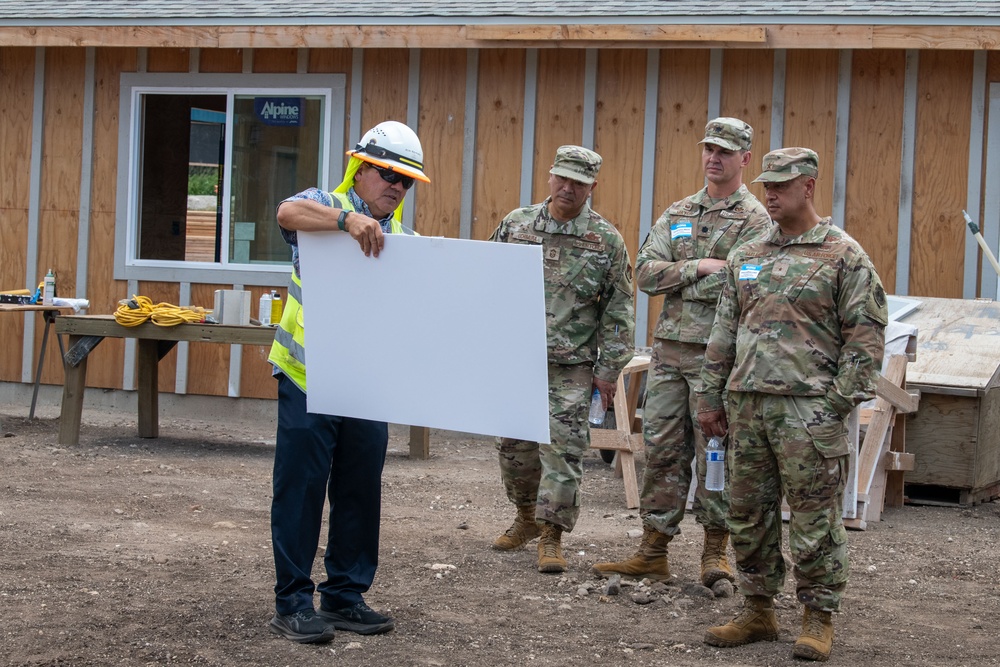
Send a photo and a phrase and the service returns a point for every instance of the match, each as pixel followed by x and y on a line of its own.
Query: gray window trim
pixel 333 85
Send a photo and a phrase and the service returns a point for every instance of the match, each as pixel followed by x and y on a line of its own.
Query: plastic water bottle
pixel 48 288
pixel 715 469
pixel 265 309
pixel 597 411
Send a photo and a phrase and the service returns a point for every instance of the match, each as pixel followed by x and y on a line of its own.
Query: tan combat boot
pixel 755 623
pixel 523 530
pixel 816 639
pixel 714 564
pixel 550 558
pixel 649 562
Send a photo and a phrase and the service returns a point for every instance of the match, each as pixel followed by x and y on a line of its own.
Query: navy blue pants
pixel 318 456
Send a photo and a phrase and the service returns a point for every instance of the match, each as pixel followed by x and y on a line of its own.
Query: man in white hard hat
pixel 319 455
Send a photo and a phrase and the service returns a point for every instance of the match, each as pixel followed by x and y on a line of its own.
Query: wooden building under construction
pixel 111 110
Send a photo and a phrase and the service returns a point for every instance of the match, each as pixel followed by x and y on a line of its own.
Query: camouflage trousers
pixel 795 446
pixel 548 475
pixel 673 440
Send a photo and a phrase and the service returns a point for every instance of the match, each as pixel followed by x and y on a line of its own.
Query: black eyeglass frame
pixel 392 177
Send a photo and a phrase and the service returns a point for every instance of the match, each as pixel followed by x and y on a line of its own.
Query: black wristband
pixel 341 219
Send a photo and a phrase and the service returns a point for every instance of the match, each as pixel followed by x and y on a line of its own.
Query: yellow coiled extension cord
pixel 133 312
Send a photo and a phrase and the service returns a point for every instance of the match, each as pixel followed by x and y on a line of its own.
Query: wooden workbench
pixel 153 342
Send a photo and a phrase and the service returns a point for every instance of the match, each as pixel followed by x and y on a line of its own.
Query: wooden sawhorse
pixel 626 439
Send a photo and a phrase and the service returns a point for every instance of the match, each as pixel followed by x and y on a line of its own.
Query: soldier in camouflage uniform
pixel 799 335
pixel 590 323
pixel 683 258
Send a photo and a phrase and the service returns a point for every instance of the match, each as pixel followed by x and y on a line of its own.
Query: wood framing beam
pixel 901 461
pixel 963 38
pixel 576 35
pixel 899 398
pixel 623 33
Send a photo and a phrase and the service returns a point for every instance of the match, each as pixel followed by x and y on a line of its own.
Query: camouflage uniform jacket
pixel 588 286
pixel 802 316
pixel 688 231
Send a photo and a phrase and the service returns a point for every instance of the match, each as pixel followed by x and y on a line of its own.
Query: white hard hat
pixel 392 145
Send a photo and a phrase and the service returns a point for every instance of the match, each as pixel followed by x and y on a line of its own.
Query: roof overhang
pixel 458 32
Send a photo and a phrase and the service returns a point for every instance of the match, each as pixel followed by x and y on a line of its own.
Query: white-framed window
pixel 204 160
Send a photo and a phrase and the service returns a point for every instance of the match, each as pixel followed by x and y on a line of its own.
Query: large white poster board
pixel 436 332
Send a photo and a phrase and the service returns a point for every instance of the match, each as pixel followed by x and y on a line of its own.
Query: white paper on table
pixel 437 332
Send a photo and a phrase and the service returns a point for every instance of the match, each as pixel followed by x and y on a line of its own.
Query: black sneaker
pixel 359 618
pixel 304 627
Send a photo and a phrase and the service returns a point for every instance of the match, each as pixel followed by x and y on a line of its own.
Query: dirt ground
pixel 124 551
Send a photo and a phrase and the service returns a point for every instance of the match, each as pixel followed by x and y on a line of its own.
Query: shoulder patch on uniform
pixel 875 307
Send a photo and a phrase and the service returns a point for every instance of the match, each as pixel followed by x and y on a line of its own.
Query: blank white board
pixel 445 333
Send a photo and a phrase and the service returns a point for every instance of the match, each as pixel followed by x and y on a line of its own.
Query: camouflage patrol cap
pixel 731 133
pixel 577 163
pixel 785 164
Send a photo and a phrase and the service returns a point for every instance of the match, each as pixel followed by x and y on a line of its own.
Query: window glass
pixel 182 151
pixel 275 154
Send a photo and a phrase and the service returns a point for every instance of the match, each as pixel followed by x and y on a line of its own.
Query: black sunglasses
pixel 393 177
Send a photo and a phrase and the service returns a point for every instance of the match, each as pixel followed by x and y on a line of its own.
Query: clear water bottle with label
pixel 597 411
pixel 715 468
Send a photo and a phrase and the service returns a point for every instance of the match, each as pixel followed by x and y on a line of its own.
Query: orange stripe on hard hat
pixel 401 168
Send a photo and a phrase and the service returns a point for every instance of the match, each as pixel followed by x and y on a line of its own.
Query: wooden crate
pixel 955 433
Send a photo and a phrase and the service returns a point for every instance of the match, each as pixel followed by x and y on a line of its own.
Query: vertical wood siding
pixel 682 112
pixel 940 170
pixel 811 114
pixel 873 179
pixel 747 81
pixel 60 194
pixel 498 133
pixel 441 127
pixel 872 188
pixel 17 80
pixel 558 110
pixel 107 361
pixel 621 102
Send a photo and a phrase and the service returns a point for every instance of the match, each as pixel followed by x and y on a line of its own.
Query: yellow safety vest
pixel 288 351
